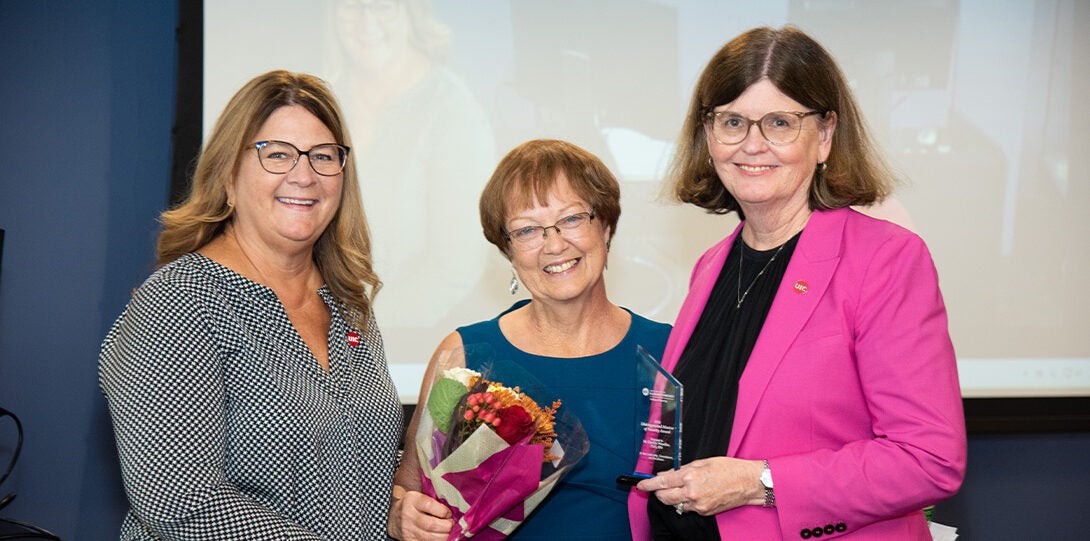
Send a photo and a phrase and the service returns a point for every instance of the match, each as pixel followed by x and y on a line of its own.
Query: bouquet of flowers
pixel 489 451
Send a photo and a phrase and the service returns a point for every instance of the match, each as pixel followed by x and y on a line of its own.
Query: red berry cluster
pixel 483 407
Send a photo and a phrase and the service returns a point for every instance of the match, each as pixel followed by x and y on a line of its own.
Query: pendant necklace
pixel 741 251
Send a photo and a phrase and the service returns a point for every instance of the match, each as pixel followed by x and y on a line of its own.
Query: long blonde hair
pixel 343 251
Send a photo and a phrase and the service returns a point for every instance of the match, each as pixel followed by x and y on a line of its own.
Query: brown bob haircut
pixel 528 174
pixel 854 174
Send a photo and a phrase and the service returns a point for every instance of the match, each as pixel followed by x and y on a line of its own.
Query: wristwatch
pixel 766 480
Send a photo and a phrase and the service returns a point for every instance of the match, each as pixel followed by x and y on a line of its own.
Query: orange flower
pixel 526 415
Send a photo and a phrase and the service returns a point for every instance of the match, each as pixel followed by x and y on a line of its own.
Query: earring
pixel 513 287
pixel 821 167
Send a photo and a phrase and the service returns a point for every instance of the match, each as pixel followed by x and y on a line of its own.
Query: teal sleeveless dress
pixel 597 389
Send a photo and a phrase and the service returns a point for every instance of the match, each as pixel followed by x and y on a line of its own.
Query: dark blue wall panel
pixel 86 109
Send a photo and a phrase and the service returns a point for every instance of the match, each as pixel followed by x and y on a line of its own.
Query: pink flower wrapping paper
pixel 489 484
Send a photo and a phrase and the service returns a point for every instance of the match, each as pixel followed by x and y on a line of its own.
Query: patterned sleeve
pixel 161 370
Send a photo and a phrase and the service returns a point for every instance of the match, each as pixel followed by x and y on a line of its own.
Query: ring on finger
pixel 680 508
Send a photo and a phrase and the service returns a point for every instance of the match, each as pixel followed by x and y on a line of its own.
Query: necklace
pixel 264 281
pixel 741 253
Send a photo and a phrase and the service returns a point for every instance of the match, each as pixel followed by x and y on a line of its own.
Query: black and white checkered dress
pixel 227 426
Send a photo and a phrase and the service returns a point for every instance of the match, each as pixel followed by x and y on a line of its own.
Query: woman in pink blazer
pixel 820 384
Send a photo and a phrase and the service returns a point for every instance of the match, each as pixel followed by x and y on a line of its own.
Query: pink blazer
pixel 851 392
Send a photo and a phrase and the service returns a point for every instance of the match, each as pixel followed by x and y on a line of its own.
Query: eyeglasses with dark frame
pixel 778 127
pixel 280 157
pixel 533 236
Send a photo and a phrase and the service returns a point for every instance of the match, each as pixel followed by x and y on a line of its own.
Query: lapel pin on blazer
pixel 801 287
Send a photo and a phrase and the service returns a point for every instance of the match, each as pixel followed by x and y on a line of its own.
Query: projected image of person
pixel 246 378
pixel 820 385
pixel 424 148
pixel 552 209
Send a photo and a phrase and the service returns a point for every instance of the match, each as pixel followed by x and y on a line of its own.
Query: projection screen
pixel 973 103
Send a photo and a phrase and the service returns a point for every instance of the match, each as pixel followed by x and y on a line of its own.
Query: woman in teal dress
pixel 552 209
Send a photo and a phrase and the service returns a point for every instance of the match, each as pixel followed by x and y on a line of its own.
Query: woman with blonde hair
pixel 246 378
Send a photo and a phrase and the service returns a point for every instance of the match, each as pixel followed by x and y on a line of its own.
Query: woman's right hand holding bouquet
pixel 415 516
pixel 484 455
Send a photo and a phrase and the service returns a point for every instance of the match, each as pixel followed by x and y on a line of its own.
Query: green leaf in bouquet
pixel 443 398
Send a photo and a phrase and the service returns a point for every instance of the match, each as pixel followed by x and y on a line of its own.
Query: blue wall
pixel 1019 487
pixel 87 109
pixel 87 106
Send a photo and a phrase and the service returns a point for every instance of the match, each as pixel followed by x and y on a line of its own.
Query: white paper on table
pixel 941 532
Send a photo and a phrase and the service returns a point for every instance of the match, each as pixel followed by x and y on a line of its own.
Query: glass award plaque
pixel 658 418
